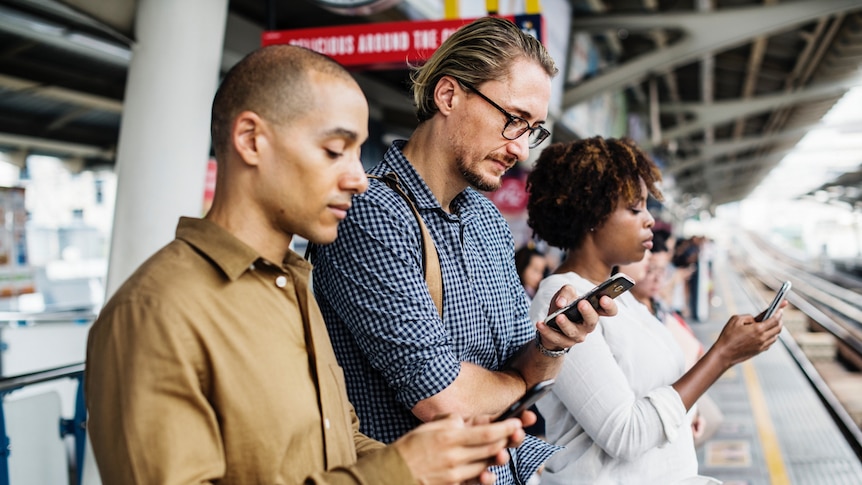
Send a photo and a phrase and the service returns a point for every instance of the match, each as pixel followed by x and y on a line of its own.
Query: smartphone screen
pixel 613 287
pixel 773 306
pixel 529 398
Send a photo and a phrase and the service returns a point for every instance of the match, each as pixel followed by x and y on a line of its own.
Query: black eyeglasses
pixel 515 125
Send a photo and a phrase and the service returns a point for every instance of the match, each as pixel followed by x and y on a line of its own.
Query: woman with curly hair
pixel 621 402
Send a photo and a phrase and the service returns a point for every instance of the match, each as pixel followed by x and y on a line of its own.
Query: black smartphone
pixel 529 398
pixel 613 287
pixel 770 310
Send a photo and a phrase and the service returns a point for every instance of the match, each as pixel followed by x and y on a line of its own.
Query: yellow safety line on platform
pixel 759 409
pixel 768 439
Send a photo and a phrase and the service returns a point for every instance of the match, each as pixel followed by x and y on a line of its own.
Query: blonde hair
pixel 477 52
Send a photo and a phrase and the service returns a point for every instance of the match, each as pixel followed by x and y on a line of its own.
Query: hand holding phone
pixel 613 287
pixel 529 398
pixel 773 306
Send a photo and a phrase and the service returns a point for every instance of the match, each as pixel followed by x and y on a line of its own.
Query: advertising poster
pixel 16 276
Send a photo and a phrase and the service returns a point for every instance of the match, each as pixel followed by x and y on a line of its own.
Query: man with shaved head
pixel 211 364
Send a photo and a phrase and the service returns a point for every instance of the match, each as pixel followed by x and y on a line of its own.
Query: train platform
pixel 775 428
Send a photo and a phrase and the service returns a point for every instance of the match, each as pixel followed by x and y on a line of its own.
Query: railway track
pixel 829 303
pixel 832 301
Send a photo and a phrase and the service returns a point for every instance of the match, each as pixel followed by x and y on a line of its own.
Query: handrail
pixel 75 426
pixel 63 316
pixel 9 384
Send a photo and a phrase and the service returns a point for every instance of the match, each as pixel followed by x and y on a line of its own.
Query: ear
pixel 249 136
pixel 446 94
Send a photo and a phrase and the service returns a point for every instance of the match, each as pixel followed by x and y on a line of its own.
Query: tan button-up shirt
pixel 211 364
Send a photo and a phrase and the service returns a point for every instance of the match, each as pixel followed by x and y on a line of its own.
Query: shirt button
pixel 326 423
pixel 280 281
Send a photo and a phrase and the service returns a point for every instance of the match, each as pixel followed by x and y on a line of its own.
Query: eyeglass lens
pixel 516 128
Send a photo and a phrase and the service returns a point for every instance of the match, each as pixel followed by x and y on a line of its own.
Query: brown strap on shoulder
pixel 430 259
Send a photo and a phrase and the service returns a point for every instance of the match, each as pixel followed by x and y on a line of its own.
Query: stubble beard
pixel 474 178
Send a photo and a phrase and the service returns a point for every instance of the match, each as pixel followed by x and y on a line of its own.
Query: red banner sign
pixel 511 197
pixel 384 45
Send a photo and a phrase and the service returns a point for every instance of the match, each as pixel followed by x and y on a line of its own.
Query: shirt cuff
pixel 532 453
pixel 437 374
pixel 385 466
pixel 670 409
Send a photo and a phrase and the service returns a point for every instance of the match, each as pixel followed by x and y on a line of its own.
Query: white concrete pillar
pixel 164 138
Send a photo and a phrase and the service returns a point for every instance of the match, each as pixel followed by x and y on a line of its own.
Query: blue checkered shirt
pixel 385 329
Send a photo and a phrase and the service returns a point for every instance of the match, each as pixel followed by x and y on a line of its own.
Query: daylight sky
pixel 821 155
pixel 774 209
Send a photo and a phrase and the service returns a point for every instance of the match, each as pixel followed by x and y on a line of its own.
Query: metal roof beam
pixel 725 148
pixel 56 35
pixel 713 179
pixel 704 33
pixel 745 163
pixel 755 60
pixel 724 111
pixel 724 189
pixel 730 147
pixel 64 149
pixel 61 94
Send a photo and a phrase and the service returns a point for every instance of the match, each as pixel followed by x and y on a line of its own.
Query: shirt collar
pixel 227 252
pixel 412 183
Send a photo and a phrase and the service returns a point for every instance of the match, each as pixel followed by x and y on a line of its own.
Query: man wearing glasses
pixel 404 362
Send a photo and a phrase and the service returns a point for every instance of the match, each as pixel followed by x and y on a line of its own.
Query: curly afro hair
pixel 576 186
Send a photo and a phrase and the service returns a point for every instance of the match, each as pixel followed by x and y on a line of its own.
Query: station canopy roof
pixel 729 86
pixel 845 190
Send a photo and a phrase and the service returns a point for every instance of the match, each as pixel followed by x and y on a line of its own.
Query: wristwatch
pixel 550 353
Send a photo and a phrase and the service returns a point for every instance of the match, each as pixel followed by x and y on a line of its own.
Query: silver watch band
pixel 548 352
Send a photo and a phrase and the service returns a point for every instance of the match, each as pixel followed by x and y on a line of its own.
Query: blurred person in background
pixel 650 274
pixel 684 263
pixel 532 266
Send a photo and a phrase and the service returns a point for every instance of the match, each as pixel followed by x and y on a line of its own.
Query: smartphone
pixel 770 310
pixel 613 287
pixel 529 398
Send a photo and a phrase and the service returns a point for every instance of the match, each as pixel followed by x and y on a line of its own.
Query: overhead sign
pixel 16 274
pixel 385 45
